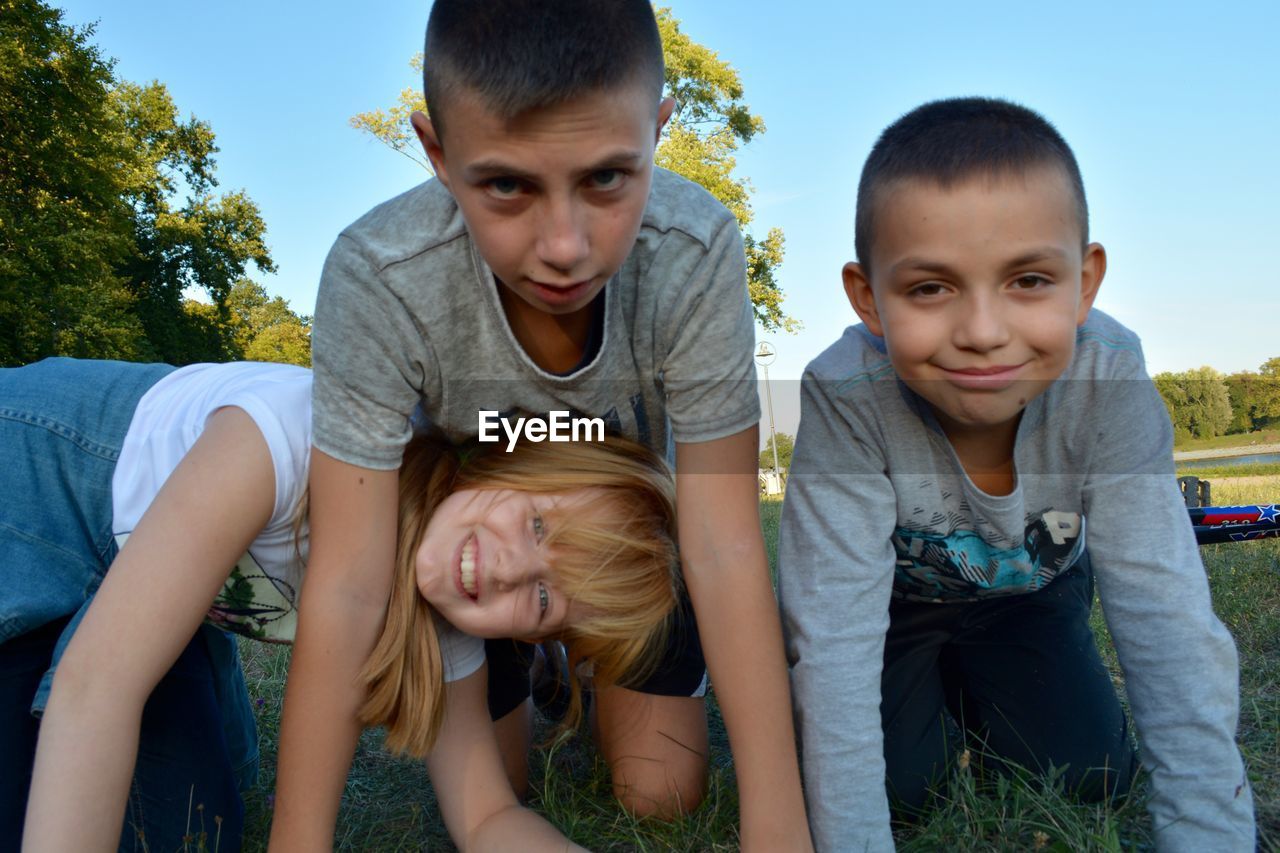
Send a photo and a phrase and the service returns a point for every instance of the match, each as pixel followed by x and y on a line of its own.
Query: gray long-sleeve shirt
pixel 878 505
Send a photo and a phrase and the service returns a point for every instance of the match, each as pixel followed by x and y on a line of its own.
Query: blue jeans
pixel 62 423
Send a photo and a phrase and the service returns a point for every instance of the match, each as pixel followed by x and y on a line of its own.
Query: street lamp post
pixel 765 354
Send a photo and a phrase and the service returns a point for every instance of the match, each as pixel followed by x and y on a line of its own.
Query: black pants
pixel 1019 675
pixel 680 671
pixel 183 759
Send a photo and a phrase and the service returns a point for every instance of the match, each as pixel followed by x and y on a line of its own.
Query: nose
pixel 516 567
pixel 982 326
pixel 562 241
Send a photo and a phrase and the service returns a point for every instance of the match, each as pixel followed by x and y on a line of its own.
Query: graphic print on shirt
pixel 958 564
pixel 252 603
pixel 256 605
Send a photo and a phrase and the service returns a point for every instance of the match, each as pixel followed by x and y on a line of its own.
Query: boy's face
pixel 977 291
pixel 554 197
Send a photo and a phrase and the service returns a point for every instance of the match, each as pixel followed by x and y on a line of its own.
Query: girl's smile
pixel 484 564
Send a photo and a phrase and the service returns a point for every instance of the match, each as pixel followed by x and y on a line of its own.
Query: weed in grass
pixel 1019 810
pixel 1240 491
pixel 770 518
pixel 572 789
pixel 1244 580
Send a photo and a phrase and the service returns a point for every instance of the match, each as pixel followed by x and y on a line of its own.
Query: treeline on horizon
pixel 113 241
pixel 1204 403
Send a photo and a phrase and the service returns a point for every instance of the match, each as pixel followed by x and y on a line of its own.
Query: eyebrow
pixel 1033 256
pixel 921 264
pixel 493 168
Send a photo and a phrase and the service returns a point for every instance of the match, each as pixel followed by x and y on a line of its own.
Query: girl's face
pixel 483 564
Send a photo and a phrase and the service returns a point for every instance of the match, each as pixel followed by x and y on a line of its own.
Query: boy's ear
pixel 666 107
pixel 430 140
pixel 1091 273
pixel 858 288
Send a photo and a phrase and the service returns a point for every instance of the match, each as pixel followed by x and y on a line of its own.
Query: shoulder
pixel 207 386
pixel 852 386
pixel 852 362
pixel 1106 349
pixel 406 226
pixel 462 654
pixel 677 204
pixel 1106 399
pixel 855 418
pixel 173 414
pixel 276 396
pixel 689 253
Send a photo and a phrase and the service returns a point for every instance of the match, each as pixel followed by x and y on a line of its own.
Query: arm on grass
pixel 341 611
pixel 148 608
pixel 835 576
pixel 479 808
pixel 1180 664
pixel 727 574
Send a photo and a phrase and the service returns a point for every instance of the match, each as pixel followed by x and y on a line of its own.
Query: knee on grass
pixel 656 790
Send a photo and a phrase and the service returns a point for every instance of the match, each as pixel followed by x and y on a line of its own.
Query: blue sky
pixel 1173 111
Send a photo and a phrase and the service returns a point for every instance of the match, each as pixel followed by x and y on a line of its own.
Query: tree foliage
pixel 108 217
pixel 391 126
pixel 64 228
pixel 1198 402
pixel 1255 397
pixel 264 328
pixel 786 446
pixel 711 121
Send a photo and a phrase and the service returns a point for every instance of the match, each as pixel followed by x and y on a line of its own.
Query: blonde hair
pixel 616 560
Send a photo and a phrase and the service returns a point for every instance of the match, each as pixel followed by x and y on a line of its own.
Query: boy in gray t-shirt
pixel 968 460
pixel 548 267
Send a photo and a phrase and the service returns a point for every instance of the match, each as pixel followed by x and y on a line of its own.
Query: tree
pixel 1198 401
pixel 709 125
pixel 1242 389
pixel 1268 406
pixel 391 126
pixel 786 445
pixel 183 241
pixel 1255 397
pixel 64 228
pixel 107 214
pixel 265 328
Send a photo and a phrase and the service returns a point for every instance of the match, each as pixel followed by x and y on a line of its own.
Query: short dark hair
pixel 949 141
pixel 519 55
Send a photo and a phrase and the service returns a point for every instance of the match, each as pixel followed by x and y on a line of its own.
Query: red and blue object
pixel 1235 523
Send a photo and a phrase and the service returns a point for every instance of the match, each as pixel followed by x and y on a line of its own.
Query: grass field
pixel 1267 436
pixel 388 804
pixel 1228 473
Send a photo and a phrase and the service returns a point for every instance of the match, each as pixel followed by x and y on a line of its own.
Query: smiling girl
pixel 143 504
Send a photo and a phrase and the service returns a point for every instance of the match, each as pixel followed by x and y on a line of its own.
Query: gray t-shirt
pixel 879 505
pixel 408 313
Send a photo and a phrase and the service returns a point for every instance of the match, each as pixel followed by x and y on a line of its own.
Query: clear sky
pixel 1173 110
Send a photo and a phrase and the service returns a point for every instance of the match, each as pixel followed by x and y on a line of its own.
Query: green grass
pixel 770 517
pixel 1238 493
pixel 1266 436
pixel 388 804
pixel 1223 472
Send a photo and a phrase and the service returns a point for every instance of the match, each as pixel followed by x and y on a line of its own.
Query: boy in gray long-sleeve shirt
pixel 969 459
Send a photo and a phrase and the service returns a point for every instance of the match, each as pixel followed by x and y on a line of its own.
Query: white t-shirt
pixel 260 597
